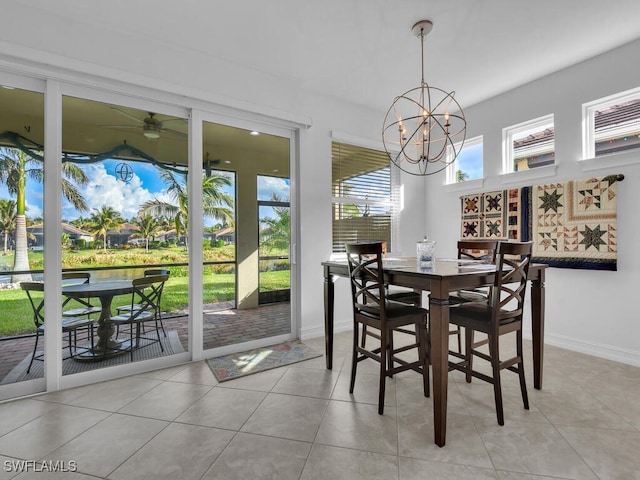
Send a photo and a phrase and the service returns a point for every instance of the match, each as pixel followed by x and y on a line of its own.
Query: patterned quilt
pixel 572 224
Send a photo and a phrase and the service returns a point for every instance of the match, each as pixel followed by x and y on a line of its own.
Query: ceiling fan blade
pixel 174 133
pixel 127 114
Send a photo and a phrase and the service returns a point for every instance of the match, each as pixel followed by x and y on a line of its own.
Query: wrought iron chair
pixel 147 273
pixel 145 308
pixel 501 314
pixel 81 307
pixel 70 325
pixel 373 311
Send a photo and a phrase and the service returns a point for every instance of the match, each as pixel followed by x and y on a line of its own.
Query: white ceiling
pixel 363 50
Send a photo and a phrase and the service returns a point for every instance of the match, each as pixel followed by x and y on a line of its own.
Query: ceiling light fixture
pixel 151 131
pixel 423 123
pixel 254 133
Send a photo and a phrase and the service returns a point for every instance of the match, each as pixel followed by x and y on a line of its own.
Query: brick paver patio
pixel 223 325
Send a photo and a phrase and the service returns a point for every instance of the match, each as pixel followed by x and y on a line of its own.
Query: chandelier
pixel 424 129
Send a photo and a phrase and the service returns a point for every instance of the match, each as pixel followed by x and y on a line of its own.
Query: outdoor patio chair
pixel 81 306
pixel 147 273
pixel 70 325
pixel 144 308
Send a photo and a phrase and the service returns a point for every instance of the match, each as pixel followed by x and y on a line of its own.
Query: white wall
pixel 586 310
pixel 589 311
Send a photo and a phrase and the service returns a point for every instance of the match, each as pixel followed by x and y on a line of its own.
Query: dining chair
pixel 147 273
pixel 81 306
pixel 372 311
pixel 501 314
pixel 480 250
pixel 69 325
pixel 145 308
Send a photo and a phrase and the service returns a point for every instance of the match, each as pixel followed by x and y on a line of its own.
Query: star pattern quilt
pixel 572 224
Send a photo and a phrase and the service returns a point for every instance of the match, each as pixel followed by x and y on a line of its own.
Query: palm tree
pixel 215 202
pixel 461 176
pixel 104 219
pixel 7 219
pixel 15 167
pixel 147 226
pixel 275 231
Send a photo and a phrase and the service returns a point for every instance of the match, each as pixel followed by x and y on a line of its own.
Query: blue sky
pixel 126 197
pixel 470 161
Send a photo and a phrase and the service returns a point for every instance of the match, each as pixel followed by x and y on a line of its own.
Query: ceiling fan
pixel 152 128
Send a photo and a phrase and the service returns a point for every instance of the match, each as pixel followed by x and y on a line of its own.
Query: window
pixel 468 163
pixel 528 145
pixel 363 198
pixel 612 124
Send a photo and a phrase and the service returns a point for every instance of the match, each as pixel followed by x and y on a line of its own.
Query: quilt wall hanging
pixel 572 224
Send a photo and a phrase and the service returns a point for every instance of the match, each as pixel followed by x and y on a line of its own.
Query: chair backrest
pixel 72 278
pixel 36 300
pixel 477 250
pixel 366 277
pixel 509 289
pixel 147 294
pixel 156 271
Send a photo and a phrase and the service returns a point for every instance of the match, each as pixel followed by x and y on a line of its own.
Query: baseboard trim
pixel 622 355
pixel 315 332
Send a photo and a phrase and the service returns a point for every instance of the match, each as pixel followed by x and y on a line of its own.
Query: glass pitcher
pixel 425 252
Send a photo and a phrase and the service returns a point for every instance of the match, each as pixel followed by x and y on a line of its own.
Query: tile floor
pixel 299 422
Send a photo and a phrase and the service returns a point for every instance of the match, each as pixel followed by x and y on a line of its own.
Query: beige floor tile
pixel 611 454
pixel 114 394
pixel 254 456
pixel 198 372
pixel 19 412
pixel 502 475
pixel 480 401
pixel 166 401
pixel 9 467
pixel 416 438
pixel 365 389
pixel 360 427
pixel 262 382
pixel 307 382
pixel 160 459
pixel 581 410
pixel 410 395
pixel 164 373
pixel 326 462
pixel 102 448
pixel 531 448
pixel 223 408
pixel 414 469
pixel 60 475
pixel 627 407
pixel 44 434
pixel 287 416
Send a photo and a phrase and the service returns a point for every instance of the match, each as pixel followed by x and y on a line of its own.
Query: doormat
pixel 236 365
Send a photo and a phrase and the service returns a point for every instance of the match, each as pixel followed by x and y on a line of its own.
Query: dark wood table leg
pixel 537 327
pixel 439 323
pixel 328 317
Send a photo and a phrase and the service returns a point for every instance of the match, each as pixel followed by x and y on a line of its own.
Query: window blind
pixel 362 206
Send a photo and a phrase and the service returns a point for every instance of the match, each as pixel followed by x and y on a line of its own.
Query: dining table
pixel 440 279
pixel 106 346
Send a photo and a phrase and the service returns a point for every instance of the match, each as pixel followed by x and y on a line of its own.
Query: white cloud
pixel 269 185
pixel 105 189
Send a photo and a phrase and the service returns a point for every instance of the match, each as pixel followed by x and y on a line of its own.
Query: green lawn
pixel 16 314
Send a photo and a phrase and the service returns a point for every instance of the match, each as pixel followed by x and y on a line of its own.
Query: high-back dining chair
pixel 80 306
pixel 144 308
pixel 483 250
pixel 70 325
pixel 371 310
pixel 501 314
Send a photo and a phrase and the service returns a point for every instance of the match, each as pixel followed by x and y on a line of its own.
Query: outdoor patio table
pixel 445 276
pixel 106 346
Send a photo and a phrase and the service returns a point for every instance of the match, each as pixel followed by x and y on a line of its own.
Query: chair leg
pixel 495 367
pixel 423 355
pixel 158 334
pixel 384 348
pixel 523 383
pixel 35 349
pixel 459 335
pixel 468 348
pixel 354 356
